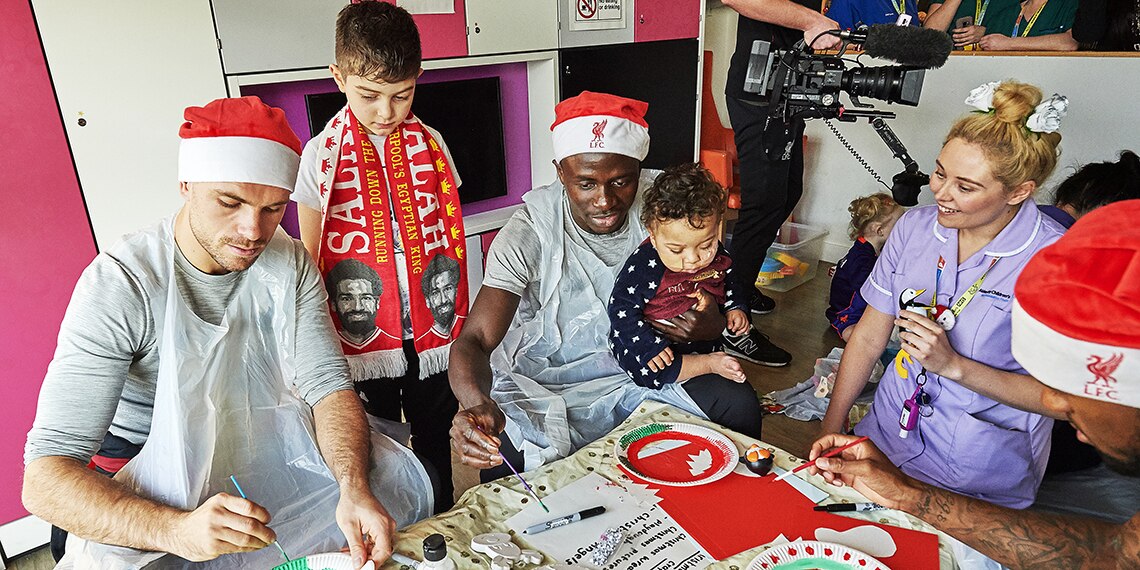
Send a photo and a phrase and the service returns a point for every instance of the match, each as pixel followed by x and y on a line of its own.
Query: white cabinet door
pixel 124 70
pixel 495 26
pixel 274 35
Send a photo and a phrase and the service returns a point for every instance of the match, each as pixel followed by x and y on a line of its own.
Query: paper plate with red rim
pixel 814 555
pixel 676 454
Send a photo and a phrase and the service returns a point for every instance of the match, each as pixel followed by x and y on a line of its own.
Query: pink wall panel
pixel 45 237
pixel 443 35
pixel 655 20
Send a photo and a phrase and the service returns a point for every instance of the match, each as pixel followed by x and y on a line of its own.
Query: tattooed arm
pixel 1029 539
pixel 1019 539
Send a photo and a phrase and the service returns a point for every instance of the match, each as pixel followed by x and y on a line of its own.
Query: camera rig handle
pixel 894 144
pixel 892 141
pixel 910 181
pixel 906 184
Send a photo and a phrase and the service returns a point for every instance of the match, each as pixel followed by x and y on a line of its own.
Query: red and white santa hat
pixel 238 140
pixel 600 122
pixel 1076 317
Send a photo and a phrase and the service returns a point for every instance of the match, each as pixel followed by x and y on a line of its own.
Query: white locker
pixel 494 26
pixel 124 70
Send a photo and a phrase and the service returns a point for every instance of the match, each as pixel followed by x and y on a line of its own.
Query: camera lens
pixel 891 83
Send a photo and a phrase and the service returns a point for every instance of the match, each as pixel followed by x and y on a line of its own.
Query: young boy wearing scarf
pixel 377 191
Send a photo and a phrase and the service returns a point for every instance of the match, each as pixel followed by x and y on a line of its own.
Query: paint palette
pixel 814 555
pixel 676 454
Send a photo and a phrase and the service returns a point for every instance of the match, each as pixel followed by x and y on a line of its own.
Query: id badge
pixel 904 20
pixel 908 419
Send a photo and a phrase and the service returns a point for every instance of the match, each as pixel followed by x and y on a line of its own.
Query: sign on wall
pixel 427 6
pixel 597 14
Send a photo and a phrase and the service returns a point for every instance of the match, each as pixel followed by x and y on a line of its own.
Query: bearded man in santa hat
pixel 198 353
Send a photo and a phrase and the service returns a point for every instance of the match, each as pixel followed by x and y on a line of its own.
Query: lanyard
pixel 980 11
pixel 966 297
pixel 913 406
pixel 1032 21
pixel 900 6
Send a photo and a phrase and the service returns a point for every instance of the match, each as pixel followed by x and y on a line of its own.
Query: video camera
pixel 800 84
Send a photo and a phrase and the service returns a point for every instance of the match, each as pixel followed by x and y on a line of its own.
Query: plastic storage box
pixel 793 257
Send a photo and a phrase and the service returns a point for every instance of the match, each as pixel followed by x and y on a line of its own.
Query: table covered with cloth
pixel 485 508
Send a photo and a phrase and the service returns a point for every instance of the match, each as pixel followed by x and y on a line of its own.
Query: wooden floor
pixel 797 325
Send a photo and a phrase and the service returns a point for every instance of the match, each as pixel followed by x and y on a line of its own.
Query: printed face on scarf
pixel 682 247
pixel 356 305
pixel 1113 429
pixel 601 188
pixel 379 106
pixel 440 294
pixel 967 193
pixel 231 223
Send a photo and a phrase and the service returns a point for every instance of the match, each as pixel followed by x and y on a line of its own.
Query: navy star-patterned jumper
pixel 645 290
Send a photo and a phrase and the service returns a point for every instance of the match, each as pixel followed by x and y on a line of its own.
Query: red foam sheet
pixel 737 513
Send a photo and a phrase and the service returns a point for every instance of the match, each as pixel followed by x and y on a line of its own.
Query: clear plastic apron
pixel 224 406
pixel 554 376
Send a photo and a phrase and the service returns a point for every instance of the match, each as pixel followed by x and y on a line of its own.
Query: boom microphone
pixel 908 45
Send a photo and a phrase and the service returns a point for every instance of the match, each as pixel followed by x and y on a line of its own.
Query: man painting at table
pixel 1075 328
pixel 533 359
pixel 199 348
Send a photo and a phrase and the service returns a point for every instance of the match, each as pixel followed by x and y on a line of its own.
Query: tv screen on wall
pixel 467 113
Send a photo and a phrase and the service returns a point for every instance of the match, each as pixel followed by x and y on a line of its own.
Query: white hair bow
pixel 982 97
pixel 1047 117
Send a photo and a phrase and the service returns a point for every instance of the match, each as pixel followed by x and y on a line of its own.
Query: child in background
pixel 682 263
pixel 374 184
pixel 872 218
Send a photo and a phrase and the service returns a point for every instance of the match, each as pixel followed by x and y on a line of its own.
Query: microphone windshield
pixel 909 45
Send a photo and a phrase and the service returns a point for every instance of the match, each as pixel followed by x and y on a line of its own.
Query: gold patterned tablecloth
pixel 486 508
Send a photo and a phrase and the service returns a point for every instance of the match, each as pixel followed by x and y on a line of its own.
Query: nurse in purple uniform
pixel 946 278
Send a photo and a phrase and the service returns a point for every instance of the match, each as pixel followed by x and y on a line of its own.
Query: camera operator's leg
pixel 771 183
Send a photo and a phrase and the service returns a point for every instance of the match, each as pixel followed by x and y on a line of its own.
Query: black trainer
pixel 755 347
pixel 763 304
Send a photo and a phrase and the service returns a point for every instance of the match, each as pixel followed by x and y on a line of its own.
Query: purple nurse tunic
pixel 964 442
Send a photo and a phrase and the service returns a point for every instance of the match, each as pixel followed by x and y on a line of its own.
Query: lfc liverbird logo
pixel 1103 384
pixel 599 133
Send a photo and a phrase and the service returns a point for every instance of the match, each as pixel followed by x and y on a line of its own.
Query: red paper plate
pixel 676 454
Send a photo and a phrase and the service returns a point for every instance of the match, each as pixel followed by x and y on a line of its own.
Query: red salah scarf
pixel 362 192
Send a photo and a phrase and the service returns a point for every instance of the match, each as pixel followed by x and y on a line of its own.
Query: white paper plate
pixel 810 554
pixel 676 454
pixel 326 561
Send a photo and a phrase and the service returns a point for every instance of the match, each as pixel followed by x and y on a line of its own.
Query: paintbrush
pixel 242 493
pixel 517 474
pixel 831 453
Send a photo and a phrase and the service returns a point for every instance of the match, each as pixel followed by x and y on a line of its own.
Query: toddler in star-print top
pixel 681 264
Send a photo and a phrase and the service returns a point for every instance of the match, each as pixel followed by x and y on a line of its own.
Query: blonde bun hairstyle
pixel 1015 154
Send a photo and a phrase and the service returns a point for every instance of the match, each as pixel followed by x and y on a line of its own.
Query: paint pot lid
pixel 435 548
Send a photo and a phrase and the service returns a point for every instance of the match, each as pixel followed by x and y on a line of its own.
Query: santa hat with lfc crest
pixel 1076 315
pixel 600 122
